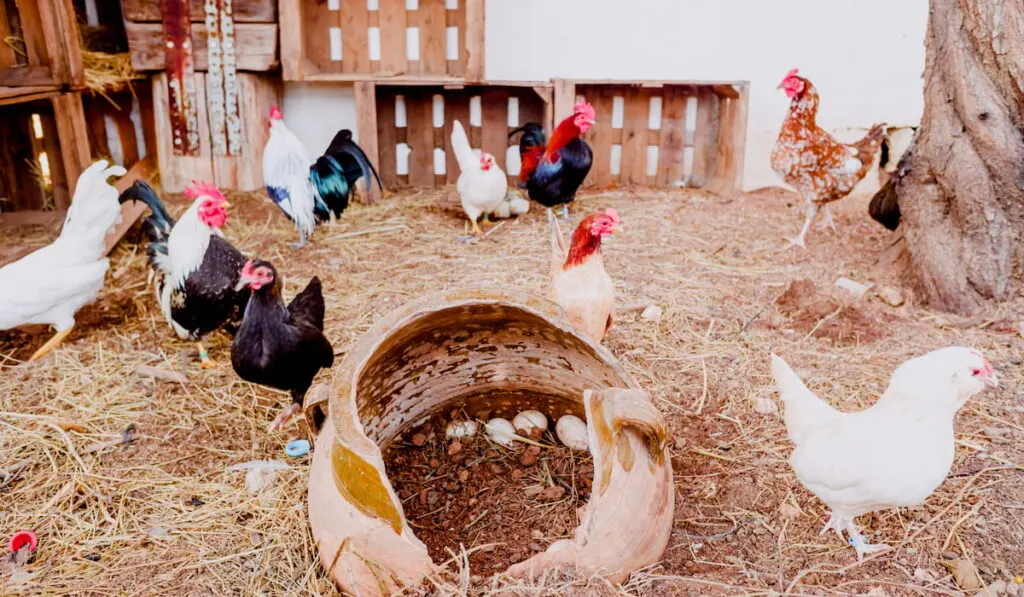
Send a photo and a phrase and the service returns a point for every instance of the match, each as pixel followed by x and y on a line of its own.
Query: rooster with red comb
pixel 552 170
pixel 195 268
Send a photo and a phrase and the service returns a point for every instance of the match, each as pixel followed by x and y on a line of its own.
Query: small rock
pixel 93 557
pixel 434 463
pixel 495 468
pixel 463 475
pixel 256 539
pixel 890 296
pixel 994 590
pixel 765 406
pixel 536 546
pixel 158 533
pixel 924 575
pixel 965 574
pixel 652 313
pixel 454 448
pixel 517 474
pixel 1013 589
pixel 855 288
pixel 419 439
pixel 788 510
pixel 536 534
pixel 950 555
pixel 553 493
pixel 529 456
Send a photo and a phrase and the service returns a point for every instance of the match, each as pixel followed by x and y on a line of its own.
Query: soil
pixel 502 504
pixel 823 316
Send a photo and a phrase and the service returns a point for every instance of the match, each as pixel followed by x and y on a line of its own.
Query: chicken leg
pixel 812 210
pixel 827 221
pixel 860 545
pixel 285 415
pixel 205 362
pixel 52 343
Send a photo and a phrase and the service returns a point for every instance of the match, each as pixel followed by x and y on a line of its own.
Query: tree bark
pixel 961 193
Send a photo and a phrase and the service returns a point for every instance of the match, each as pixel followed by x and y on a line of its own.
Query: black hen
pixel 552 170
pixel 278 346
pixel 885 207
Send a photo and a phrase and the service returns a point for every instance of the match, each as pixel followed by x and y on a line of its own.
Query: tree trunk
pixel 962 192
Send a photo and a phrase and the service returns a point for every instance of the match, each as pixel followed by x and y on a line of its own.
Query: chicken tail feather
pixel 803 409
pixel 460 147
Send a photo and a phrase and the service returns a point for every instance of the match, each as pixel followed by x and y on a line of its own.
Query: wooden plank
pixel 73 135
pixel 565 99
pixel 704 136
pixel 731 144
pixel 178 171
pixel 600 137
pixel 27 76
pixel 60 30
pixel 291 38
pixel 355 22
pixel 17 95
pixel 634 136
pixel 474 40
pixel 32 218
pixel 243 11
pixel 132 210
pixel 97 125
pixel 144 95
pixel 420 135
pixel 432 38
pixel 673 136
pixel 494 120
pixel 256 43
pixel 392 38
pixel 456 107
pixel 457 18
pixel 728 91
pixel 29 35
pixel 366 134
pixel 60 187
pixel 257 93
pixel 386 138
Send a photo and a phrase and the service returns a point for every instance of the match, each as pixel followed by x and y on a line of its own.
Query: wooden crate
pixel 416 120
pixel 41 48
pixel 46 149
pixel 663 134
pixel 244 172
pixel 121 127
pixel 255 31
pixel 402 40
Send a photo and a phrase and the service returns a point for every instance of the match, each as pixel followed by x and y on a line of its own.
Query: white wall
pixel 865 57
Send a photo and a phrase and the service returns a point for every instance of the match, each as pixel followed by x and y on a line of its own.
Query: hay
pixel 106 73
pixel 161 514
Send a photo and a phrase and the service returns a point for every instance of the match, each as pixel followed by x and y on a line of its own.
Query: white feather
pixel 286 165
pixel 481 191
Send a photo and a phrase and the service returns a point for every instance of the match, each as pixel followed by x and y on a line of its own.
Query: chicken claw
pixel 50 344
pixel 827 221
pixel 862 548
pixel 835 524
pixel 285 416
pixel 205 362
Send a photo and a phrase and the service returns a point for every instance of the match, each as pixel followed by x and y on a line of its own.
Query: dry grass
pixel 105 72
pixel 744 525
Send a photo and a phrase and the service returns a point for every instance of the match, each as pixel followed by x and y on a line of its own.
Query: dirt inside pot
pixel 508 503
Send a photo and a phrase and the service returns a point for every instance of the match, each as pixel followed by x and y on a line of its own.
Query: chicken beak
pixel 242 283
pixel 592 122
pixel 225 204
pixel 616 228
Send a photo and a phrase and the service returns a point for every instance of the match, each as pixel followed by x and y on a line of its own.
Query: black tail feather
pixel 309 304
pixel 533 136
pixel 141 191
pixel 343 145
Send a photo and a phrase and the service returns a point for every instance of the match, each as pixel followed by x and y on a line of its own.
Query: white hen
pixel 482 184
pixel 51 284
pixel 893 454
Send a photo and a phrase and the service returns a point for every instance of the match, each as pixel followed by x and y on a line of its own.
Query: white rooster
pixel 51 284
pixel 891 455
pixel 482 184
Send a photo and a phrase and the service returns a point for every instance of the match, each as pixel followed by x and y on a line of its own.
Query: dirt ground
pixel 125 478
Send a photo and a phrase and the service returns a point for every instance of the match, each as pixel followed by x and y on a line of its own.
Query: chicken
pixel 482 185
pixel 884 207
pixel 307 192
pixel 514 204
pixel 552 170
pixel 812 161
pixel 277 346
pixel 893 454
pixel 51 284
pixel 579 282
pixel 195 268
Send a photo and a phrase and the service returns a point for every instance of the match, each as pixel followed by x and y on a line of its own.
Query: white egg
pixel 572 431
pixel 528 420
pixel 501 431
pixel 461 429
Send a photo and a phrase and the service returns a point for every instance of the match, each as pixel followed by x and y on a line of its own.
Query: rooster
pixel 482 185
pixel 51 284
pixel 278 346
pixel 893 454
pixel 552 170
pixel 307 192
pixel 579 283
pixel 812 161
pixel 196 270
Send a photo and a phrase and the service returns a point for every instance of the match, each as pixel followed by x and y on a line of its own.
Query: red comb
pixel 203 189
pixel 612 213
pixel 275 113
pixel 585 109
pixel 793 73
pixel 247 268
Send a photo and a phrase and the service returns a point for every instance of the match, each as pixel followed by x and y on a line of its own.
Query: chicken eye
pixel 975 371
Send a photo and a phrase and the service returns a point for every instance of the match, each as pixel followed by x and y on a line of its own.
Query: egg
pixel 501 431
pixel 572 431
pixel 457 429
pixel 528 420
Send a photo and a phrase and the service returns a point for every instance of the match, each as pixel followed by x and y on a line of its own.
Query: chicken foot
pixel 205 362
pixel 286 415
pixel 812 210
pixel 827 221
pixel 52 343
pixel 856 540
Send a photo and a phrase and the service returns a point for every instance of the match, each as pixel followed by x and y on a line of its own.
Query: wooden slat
pixel 634 136
pixel 257 46
pixel 366 117
pixel 73 135
pixel 144 94
pixel 27 76
pixel 97 126
pixel 316 42
pixel 727 175
pixel 60 188
pixel 392 37
pixel 177 171
pixel 565 99
pixel 17 95
pixel 419 110
pixel 599 136
pixel 432 38
pixel 474 40
pixel 30 36
pixel 386 138
pixel 457 18
pixel 494 118
pixel 673 136
pixel 131 211
pixel 291 38
pixel 355 20
pixel 243 11
pixel 32 218
pixel 705 134
pixel 257 93
pixel 60 29
pixel 456 107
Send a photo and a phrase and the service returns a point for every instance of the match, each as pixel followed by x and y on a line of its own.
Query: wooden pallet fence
pixel 662 134
pixel 41 47
pixel 403 40
pixel 121 127
pixel 412 139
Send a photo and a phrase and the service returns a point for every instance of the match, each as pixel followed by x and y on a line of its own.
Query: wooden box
pixel 661 133
pixel 40 46
pixel 402 40
pixel 255 31
pixel 411 138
